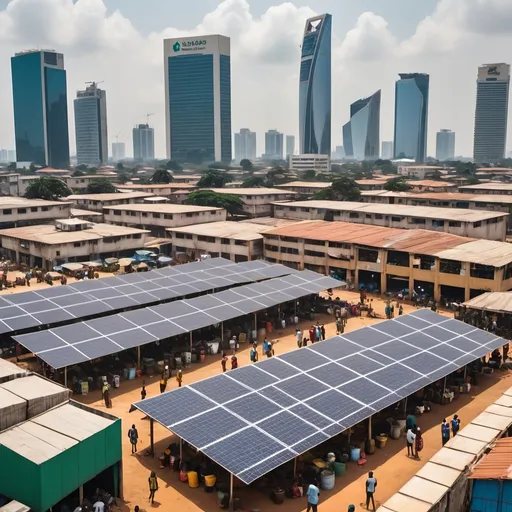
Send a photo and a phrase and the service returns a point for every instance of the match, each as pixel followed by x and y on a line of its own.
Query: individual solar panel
pixel 139 317
pixel 424 363
pixel 66 356
pixel 457 327
pixel 420 340
pixel 159 330
pixel 375 356
pixel 333 374
pixel 265 466
pixel 253 407
pixel 36 307
pixel 277 368
pixel 303 359
pixel 394 329
pixel 412 321
pixel 438 333
pixel 428 316
pixel 360 364
pixel 481 337
pixel 357 416
pixel 311 416
pixel 364 391
pixel 301 386
pixel 194 321
pixel 394 376
pixel 220 388
pixel 252 377
pixel 333 404
pixel 310 442
pixel 464 344
pixel 446 352
pixel 442 372
pixel 336 348
pixel 46 340
pixel 53 316
pixel 98 347
pixel 23 298
pixel 76 333
pixel 281 398
pixel 397 350
pixel 286 427
pixel 367 337
pixel 110 325
pixel 132 338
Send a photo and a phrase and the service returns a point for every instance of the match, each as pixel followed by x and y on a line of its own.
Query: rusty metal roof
pixel 497 465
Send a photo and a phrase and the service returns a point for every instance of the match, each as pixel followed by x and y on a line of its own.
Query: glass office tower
pixel 361 135
pixel 245 145
pixel 445 145
pixel 198 98
pixel 40 108
pixel 411 116
pixel 315 87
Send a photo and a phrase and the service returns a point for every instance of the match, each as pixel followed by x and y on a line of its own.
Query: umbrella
pixel 93 264
pixel 164 259
pixel 124 262
pixel 143 253
pixel 111 261
pixel 72 266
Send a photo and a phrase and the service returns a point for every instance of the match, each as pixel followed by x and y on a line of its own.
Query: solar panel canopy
pixel 93 297
pixel 253 419
pixel 79 342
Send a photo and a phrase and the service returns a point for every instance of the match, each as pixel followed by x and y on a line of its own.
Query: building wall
pixel 30 215
pixel 415 171
pixel 259 205
pixel 98 206
pixel 318 163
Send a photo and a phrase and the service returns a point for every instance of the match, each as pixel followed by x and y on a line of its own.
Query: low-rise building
pixel 318 163
pixel 431 186
pixel 9 184
pixel 439 265
pixel 417 171
pixel 491 187
pixel 371 184
pixel 97 202
pixel 159 189
pixel 488 225
pixel 158 217
pixel 18 211
pixel 235 241
pixel 304 188
pixel 69 240
pixel 82 182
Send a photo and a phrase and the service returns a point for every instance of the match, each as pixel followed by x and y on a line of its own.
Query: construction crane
pixel 94 84
pixel 117 136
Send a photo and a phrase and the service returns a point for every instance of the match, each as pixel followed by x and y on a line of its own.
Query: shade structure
pixel 253 419
pixel 83 341
pixel 65 304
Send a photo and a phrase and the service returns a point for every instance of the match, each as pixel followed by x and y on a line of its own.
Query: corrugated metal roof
pixel 486 419
pixel 497 465
pixel 466 445
pixel 492 301
pixel 442 196
pixel 500 410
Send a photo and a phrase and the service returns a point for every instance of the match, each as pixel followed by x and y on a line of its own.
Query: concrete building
pixel 69 240
pixel 9 184
pixel 318 163
pixel 445 145
pixel 143 143
pixel 235 241
pixel 274 145
pixel 386 152
pixel 491 112
pixel 371 184
pixel 304 188
pixel 417 171
pixel 91 126
pixel 7 156
pixel 198 98
pixel 40 108
pixel 432 186
pixel 118 151
pixel 487 188
pixel 82 182
pixel 472 223
pixel 176 192
pixel 290 146
pixel 97 202
pixel 245 145
pixel 158 217
pixel 389 259
pixel 257 201
pixel 18 211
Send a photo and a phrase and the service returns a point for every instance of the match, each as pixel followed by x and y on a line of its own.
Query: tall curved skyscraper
pixel 315 87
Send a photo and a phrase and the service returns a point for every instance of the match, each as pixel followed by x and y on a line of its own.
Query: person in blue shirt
pixel 312 494
pixel 455 425
pixel 371 484
pixel 445 431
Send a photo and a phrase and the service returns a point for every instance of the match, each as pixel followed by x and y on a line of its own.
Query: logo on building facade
pixel 176 47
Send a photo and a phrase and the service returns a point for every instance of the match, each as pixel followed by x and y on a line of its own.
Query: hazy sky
pixel 120 42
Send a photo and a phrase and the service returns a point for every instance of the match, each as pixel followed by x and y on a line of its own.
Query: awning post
pixel 65 376
pixel 222 334
pixel 231 498
pixel 181 449
pixel 256 322
pixel 81 495
pixel 191 341
pixel 138 357
pixel 294 467
pixel 369 428
pixel 465 373
pixel 152 437
pixel 405 406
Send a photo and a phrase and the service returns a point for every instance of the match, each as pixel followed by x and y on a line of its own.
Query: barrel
pixel 202 356
pixel 339 468
pixel 355 453
pixel 131 373
pixel 210 480
pixel 395 431
pixel 381 440
pixel 327 479
pixel 193 480
pixel 370 446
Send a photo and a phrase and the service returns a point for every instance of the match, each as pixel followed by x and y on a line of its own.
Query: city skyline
pixel 373 40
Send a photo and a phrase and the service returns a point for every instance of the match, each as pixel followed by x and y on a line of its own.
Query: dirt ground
pixel 391 465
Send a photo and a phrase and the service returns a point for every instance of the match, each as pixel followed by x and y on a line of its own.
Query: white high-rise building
pixel 274 145
pixel 290 146
pixel 198 98
pixel 445 145
pixel 143 143
pixel 118 151
pixel 245 145
pixel 386 152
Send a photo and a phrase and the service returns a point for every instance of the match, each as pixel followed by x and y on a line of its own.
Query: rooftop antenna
pixel 147 118
pixel 94 84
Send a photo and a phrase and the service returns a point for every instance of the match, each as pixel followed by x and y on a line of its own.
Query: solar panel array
pixel 86 298
pixel 253 419
pixel 79 342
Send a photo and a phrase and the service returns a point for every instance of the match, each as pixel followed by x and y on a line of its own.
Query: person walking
pixel 179 377
pixel 455 425
pixel 445 431
pixel 264 346
pixel 322 331
pixel 224 361
pixel 318 332
pixel 143 392
pixel 133 435
pixel 312 334
pixel 371 484
pixel 254 354
pixel 153 487
pixel 105 390
pixel 313 494
pixel 234 362
pixel 411 437
pixel 163 383
pixel 418 442
pixel 298 332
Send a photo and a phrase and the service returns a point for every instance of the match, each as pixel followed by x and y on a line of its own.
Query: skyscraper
pixel 290 145
pixel 361 133
pixel 40 108
pixel 491 113
pixel 387 150
pixel 143 143
pixel 274 145
pixel 198 98
pixel 411 116
pixel 445 145
pixel 91 125
pixel 118 151
pixel 315 87
pixel 245 145
pixel 346 134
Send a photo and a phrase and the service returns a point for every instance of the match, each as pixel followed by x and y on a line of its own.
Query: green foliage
pixel 82 167
pixel 309 175
pixel 171 165
pixel 78 173
pixel 342 189
pixel 473 180
pixel 47 187
pixel 100 186
pixel 120 166
pixel 397 185
pixel 161 176
pixel 12 166
pixel 246 164
pixel 219 165
pixel 254 181
pixel 214 179
pixel 231 203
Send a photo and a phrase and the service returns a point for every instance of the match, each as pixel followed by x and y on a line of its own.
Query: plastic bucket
pixel 327 479
pixel 381 441
pixel 193 480
pixel 339 468
pixel 355 453
pixel 131 373
pixel 210 480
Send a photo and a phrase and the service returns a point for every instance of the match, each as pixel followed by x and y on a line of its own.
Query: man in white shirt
pixel 411 437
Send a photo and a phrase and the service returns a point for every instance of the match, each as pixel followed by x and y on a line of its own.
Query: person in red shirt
pixel 312 334
pixel 224 361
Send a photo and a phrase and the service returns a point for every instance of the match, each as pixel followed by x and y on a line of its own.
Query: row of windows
pixel 22 211
pixel 209 239
pixel 167 216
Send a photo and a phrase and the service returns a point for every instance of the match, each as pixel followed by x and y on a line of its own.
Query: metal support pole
pixel 181 449
pixel 369 428
pixel 152 437
pixel 465 373
pixel 405 407
pixel 444 385
pixel 294 467
pixel 231 498
pixel 256 323
pixel 191 341
pixel 66 376
pixel 138 357
pixel 81 495
pixel 222 334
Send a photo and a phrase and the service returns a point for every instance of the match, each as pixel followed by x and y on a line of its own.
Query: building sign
pixel 189 46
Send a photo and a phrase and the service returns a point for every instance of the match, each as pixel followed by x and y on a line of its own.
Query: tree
pixel 47 187
pixel 231 203
pixel 246 164
pixel 78 173
pixel 122 178
pixel 81 167
pixel 161 176
pixel 219 165
pixel 473 180
pixel 437 175
pixel 214 179
pixel 11 167
pixel 397 185
pixel 120 166
pixel 171 165
pixel 100 186
pixel 342 189
pixel 309 175
pixel 254 181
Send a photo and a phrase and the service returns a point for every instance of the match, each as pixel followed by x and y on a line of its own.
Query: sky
pixel 119 42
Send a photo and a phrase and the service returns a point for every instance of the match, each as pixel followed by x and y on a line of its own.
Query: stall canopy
pixel 72 267
pixel 52 455
pixel 499 302
pixel 253 419
pixel 60 304
pixel 80 342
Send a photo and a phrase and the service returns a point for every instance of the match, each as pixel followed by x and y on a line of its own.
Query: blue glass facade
pixel 225 108
pixel 411 116
pixel 191 106
pixel 315 87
